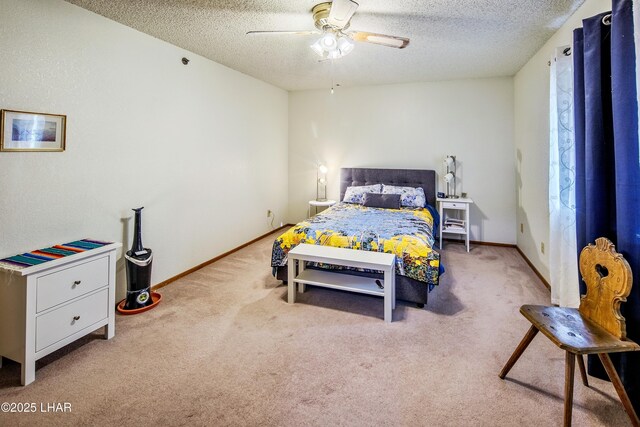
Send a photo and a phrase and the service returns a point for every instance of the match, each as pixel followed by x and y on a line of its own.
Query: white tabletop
pixel 322 203
pixel 341 256
pixel 458 200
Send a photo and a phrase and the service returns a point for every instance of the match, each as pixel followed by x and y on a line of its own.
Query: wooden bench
pixel 380 261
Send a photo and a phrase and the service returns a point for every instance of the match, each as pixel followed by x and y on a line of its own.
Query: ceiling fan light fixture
pixel 332 46
pixel 345 45
pixel 329 42
pixel 334 54
pixel 317 48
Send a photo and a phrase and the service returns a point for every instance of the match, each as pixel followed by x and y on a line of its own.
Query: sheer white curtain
pixel 563 262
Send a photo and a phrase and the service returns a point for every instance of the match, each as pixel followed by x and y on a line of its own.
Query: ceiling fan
pixel 332 19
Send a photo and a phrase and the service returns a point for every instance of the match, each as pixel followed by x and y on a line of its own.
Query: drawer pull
pixel 77 282
pixel 76 318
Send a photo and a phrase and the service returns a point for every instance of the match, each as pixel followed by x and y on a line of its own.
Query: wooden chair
pixel 597 327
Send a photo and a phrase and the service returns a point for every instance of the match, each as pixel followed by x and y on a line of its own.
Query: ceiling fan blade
pixel 381 39
pixel 341 12
pixel 303 33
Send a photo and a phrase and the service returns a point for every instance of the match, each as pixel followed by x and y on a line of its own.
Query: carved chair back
pixel 608 278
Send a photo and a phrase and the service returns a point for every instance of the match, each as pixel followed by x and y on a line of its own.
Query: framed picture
pixel 26 131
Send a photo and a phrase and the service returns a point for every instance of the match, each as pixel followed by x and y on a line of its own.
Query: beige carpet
pixel 224 348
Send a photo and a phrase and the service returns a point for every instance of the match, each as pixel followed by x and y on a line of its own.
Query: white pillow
pixel 410 197
pixel 356 194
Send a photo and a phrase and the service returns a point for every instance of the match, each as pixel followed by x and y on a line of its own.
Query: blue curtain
pixel 608 158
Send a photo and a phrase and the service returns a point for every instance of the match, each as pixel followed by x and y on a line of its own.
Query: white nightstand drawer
pixel 71 318
pixel 454 205
pixel 64 285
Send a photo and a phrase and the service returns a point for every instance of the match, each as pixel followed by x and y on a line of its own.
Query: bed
pixel 409 233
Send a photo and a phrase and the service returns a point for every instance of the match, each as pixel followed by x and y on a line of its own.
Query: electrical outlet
pixel 521 227
pixel 542 247
pixel 269 213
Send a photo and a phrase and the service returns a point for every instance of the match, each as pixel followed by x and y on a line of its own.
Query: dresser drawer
pixel 71 318
pixel 77 280
pixel 454 205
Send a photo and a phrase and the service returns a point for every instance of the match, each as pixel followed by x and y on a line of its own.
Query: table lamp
pixel 450 176
pixel 321 183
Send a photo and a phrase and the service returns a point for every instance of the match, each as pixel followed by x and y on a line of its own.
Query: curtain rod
pixel 566 52
pixel 606 20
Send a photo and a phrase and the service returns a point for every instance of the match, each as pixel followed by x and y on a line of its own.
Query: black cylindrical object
pixel 138 269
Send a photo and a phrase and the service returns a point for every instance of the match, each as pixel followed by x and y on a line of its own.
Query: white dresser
pixel 47 306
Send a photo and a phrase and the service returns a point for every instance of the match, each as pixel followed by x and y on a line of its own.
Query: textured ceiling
pixel 450 39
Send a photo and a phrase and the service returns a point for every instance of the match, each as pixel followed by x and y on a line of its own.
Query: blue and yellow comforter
pixel 407 233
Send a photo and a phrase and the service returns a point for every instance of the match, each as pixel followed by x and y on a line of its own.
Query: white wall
pixel 202 147
pixel 532 139
pixel 411 126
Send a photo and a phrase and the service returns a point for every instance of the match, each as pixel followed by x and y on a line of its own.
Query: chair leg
pixel 617 384
pixel 583 371
pixel 531 333
pixel 569 369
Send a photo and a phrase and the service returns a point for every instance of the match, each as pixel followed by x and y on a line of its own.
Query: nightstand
pixel 458 221
pixel 316 204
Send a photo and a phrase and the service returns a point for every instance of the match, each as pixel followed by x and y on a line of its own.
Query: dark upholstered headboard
pixel 401 177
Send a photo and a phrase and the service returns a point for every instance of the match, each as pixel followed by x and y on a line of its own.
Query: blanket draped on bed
pixel 407 233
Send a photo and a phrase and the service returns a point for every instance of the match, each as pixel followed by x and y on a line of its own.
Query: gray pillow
pixel 387 201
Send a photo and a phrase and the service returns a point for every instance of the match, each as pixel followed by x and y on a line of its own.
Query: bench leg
pixel 531 333
pixel 393 287
pixel 301 286
pixel 583 370
pixel 569 369
pixel 291 279
pixel 617 384
pixel 388 296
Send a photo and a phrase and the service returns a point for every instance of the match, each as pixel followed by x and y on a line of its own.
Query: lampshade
pixel 317 48
pixel 329 42
pixel 334 54
pixel 321 182
pixel 345 45
pixel 448 177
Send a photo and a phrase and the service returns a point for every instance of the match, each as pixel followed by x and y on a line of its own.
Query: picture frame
pixel 29 131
